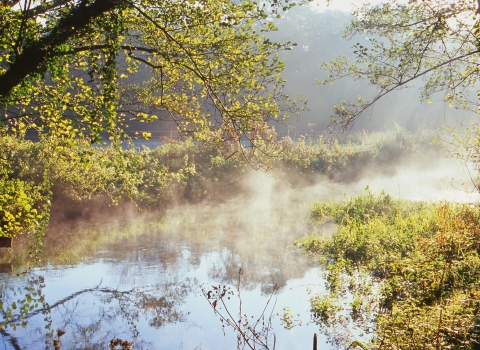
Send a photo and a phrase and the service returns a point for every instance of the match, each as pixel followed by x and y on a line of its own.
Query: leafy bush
pixel 347 159
pixel 175 172
pixel 24 205
pixel 416 264
pixel 18 207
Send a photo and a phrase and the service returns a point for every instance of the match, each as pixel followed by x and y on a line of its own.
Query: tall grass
pixel 347 157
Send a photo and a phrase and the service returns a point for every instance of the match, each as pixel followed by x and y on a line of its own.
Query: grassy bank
pixel 400 274
pixel 77 179
pixel 347 157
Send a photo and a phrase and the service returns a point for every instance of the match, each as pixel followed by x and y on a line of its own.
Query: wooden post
pixel 5 242
pixel 6 268
pixel 315 338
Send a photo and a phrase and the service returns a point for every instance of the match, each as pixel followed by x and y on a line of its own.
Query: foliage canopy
pixel 79 67
pixel 435 41
pixel 72 69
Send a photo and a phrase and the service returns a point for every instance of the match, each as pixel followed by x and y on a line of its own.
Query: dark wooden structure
pixel 5 242
pixel 6 268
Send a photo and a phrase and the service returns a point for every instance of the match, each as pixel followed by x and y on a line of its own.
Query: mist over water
pixel 141 276
pixel 161 262
pixel 428 176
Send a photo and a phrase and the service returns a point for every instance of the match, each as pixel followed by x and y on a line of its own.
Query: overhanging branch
pixel 386 91
pixel 34 55
pixel 45 7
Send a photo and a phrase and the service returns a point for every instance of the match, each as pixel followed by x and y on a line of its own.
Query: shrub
pixel 423 261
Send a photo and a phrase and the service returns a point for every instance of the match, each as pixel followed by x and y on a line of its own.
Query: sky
pixel 343 5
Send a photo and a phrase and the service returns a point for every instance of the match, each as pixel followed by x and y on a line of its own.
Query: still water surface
pixel 140 278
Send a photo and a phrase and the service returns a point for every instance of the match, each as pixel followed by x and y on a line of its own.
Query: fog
pixel 275 206
pixel 254 225
pixel 168 255
pixel 317 30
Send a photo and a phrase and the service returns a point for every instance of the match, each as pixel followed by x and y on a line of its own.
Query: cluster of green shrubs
pixel 33 172
pixel 409 270
pixel 346 157
pixel 24 198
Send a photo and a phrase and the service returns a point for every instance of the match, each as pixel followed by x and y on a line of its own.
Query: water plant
pixel 407 273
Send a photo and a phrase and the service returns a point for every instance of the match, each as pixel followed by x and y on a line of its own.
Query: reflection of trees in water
pixel 72 241
pixel 265 273
pixel 9 339
pixel 163 310
pixel 239 234
pixel 263 246
pixel 259 241
pixel 23 309
pixel 20 302
pixel 255 233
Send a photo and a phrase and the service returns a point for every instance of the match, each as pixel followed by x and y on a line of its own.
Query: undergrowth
pixel 349 157
pixel 400 274
pixel 79 174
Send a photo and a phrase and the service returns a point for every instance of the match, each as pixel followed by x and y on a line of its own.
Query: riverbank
pixel 404 274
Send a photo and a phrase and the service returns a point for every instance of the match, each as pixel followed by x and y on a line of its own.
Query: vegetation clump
pixel 409 270
pixel 174 172
pixel 74 179
pixel 347 159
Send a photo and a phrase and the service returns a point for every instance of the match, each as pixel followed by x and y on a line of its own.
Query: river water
pixel 142 277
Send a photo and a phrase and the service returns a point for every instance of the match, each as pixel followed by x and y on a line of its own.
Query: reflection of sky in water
pixel 164 264
pixel 197 328
pixel 168 264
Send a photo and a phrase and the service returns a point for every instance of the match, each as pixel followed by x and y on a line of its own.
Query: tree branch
pixel 34 55
pixel 146 62
pixel 104 46
pixel 9 3
pixel 385 91
pixel 64 300
pixel 45 7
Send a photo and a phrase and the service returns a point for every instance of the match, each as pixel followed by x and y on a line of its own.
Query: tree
pixel 435 41
pixel 73 68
